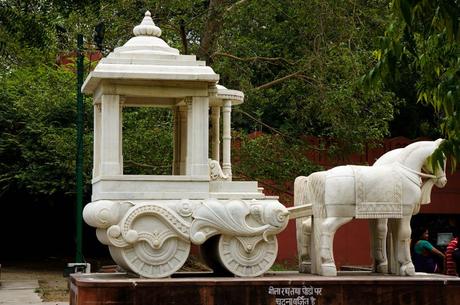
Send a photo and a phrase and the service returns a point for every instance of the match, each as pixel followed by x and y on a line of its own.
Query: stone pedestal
pixel 280 288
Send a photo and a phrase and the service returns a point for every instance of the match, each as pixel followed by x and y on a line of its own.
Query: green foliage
pixel 38 133
pixel 299 64
pixel 37 140
pixel 120 16
pixel 26 33
pixel 424 39
pixel 147 141
pixel 270 157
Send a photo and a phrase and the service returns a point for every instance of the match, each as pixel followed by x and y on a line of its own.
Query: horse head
pixel 417 157
pixel 439 172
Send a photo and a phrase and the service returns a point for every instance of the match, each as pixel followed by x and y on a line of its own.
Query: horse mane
pixel 428 184
pixel 402 154
pixel 407 151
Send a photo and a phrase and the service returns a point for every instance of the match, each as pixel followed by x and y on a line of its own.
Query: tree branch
pixel 260 122
pixel 145 165
pixel 278 80
pixel 254 58
pixel 276 130
pixel 231 7
pixel 297 74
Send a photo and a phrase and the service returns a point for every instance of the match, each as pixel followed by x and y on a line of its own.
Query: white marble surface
pixel 388 194
pixel 149 222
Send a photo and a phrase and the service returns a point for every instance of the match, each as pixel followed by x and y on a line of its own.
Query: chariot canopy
pixel 147 72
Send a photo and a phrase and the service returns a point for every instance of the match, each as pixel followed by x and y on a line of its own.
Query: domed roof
pixel 221 93
pixel 148 57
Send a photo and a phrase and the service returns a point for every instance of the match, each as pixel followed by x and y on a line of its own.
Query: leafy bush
pixel 270 157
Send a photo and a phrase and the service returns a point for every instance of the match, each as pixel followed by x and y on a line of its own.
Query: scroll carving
pixel 231 218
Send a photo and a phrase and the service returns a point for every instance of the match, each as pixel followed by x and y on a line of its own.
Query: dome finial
pixel 147 27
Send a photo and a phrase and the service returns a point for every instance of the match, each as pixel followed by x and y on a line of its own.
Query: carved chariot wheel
pixel 154 244
pixel 156 263
pixel 247 256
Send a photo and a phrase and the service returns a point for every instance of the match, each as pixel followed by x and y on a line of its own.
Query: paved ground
pixel 33 282
pixel 22 292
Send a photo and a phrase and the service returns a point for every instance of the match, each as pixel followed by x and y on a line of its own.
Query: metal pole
pixel 79 163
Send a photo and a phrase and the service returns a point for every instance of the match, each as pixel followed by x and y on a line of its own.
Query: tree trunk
pixel 211 30
pixel 183 36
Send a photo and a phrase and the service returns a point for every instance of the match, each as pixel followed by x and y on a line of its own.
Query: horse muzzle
pixel 441 182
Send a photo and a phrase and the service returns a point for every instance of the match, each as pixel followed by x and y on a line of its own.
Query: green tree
pixel 37 130
pixel 38 133
pixel 26 32
pixel 269 158
pixel 147 141
pixel 299 64
pixel 423 38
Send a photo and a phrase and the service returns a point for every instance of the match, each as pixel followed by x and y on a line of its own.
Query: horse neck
pixel 415 158
pixel 389 157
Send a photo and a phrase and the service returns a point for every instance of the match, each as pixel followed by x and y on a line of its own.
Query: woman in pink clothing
pixel 452 265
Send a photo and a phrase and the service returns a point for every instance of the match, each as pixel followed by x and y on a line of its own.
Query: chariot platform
pixel 274 288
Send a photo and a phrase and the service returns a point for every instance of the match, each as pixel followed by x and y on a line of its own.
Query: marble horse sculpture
pixel 387 193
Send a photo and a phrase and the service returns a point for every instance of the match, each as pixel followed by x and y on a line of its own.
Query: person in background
pixel 452 266
pixel 424 254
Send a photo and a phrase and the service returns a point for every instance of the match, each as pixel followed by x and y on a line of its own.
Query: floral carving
pixel 230 218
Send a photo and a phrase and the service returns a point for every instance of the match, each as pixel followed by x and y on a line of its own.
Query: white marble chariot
pixel 149 222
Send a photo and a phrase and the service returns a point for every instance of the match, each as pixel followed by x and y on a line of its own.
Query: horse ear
pixel 439 141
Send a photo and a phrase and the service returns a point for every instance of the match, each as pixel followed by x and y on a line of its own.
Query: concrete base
pixel 278 288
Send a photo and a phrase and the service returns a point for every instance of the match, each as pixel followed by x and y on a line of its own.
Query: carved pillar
pixel 183 140
pixel 197 136
pixel 215 120
pixel 97 140
pixel 176 140
pixel 226 138
pixel 188 159
pixel 111 163
pixel 180 140
pixel 120 135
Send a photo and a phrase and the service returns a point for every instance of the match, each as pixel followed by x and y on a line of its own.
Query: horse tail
pixel 310 190
pixel 303 225
pixel 301 190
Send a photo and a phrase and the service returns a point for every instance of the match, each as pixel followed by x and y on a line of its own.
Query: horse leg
pixel 403 233
pixel 392 251
pixel 304 226
pixel 328 228
pixel 378 228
